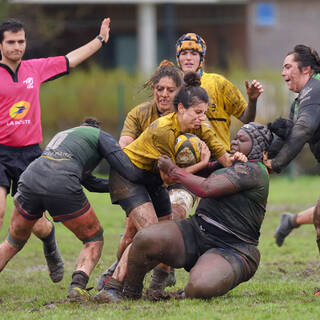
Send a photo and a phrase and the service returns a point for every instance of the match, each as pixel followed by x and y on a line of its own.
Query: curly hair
pixel 165 69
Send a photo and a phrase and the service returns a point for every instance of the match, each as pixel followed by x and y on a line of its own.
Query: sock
pixel 114 284
pixel 159 277
pixel 293 221
pixel 79 279
pixel 132 292
pixel 49 241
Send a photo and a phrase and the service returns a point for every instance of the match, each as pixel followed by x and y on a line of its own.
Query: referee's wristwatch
pixel 101 39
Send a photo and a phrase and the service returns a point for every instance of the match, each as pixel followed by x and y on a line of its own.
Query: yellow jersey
pixel 159 138
pixel 225 100
pixel 139 118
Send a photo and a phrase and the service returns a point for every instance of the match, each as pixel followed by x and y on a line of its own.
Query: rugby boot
pixel 287 224
pixel 104 277
pixel 77 291
pixel 111 292
pixel 76 294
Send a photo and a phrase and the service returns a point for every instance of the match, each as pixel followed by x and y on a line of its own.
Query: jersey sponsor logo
pixel 18 122
pixel 19 110
pixel 29 82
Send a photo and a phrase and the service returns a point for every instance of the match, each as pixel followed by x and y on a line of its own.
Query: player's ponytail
pixel 191 92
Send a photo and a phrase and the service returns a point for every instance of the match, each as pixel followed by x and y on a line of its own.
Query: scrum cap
pixel 261 138
pixel 191 41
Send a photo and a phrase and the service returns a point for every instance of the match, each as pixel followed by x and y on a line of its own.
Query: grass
pixel 282 288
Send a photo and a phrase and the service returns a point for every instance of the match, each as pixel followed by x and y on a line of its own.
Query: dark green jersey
pixel 240 214
pixel 305 112
pixel 67 163
pixel 75 149
pixel 70 157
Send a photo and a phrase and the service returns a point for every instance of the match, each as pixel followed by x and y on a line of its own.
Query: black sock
pixel 79 279
pixel 293 220
pixel 114 284
pixel 49 241
pixel 132 292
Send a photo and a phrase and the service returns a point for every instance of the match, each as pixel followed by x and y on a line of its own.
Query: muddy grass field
pixel 282 288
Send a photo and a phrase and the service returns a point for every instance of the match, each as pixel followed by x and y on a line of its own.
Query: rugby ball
pixel 187 150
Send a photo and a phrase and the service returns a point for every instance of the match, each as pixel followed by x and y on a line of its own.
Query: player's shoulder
pixel 312 86
pixel 310 94
pixel 253 173
pixel 213 80
pixel 212 77
pixel 142 108
pixel 164 124
pixel 253 167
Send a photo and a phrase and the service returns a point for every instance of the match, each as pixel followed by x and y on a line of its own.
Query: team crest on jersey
pixel 29 82
pixel 19 110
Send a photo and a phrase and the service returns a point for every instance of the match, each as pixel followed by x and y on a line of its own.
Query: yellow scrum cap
pixel 191 41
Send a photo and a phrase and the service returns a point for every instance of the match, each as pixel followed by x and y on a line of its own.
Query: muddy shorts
pixel 61 207
pixel 130 195
pixel 244 258
pixel 13 161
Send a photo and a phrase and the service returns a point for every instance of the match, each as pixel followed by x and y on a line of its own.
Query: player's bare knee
pixel 42 227
pixel 19 231
pixel 204 289
pixel 145 240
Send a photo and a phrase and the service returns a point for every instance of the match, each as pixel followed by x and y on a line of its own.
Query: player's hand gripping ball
pixel 187 150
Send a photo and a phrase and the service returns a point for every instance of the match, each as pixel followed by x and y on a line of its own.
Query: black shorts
pixel 61 207
pixel 244 258
pixel 13 161
pixel 130 195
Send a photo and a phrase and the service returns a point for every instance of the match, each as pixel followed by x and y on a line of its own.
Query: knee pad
pixel 18 244
pixel 97 237
pixel 183 198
